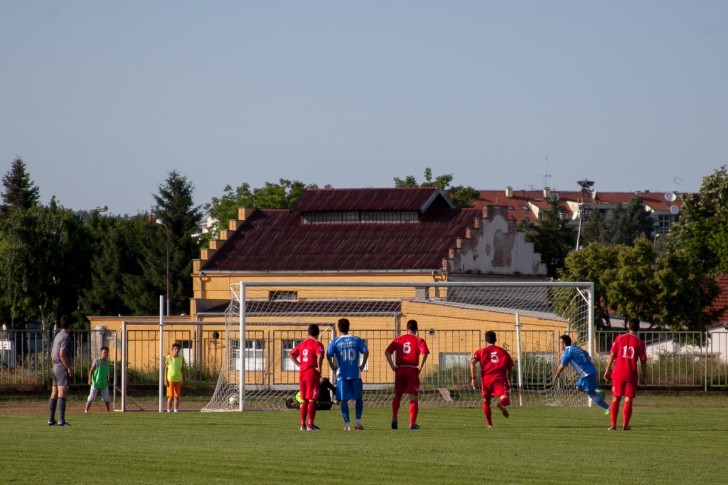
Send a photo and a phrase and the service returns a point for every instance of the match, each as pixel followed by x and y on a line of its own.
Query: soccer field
pixel 673 440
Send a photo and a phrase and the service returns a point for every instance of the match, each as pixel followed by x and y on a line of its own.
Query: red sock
pixel 413 409
pixel 303 411
pixel 614 413
pixel 487 413
pixel 311 412
pixel 627 413
pixel 395 406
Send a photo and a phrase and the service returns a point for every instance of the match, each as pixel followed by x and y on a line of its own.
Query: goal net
pixel 265 321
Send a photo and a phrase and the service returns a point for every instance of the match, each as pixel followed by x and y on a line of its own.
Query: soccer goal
pixel 265 321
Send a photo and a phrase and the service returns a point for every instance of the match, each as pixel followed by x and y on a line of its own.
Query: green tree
pixel 593 263
pixel 115 253
pixel 631 291
pixel 180 220
pixel 460 196
pixel 551 238
pixel 20 191
pixel 625 224
pixel 684 294
pixel 282 195
pixel 701 229
pixel 43 262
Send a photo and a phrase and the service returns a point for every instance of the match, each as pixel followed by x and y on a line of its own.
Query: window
pixel 283 295
pixel 254 355
pixel 449 360
pixel 525 208
pixel 287 346
pixel 361 217
pixel 663 223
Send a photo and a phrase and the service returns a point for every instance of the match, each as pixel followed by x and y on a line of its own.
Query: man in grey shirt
pixel 62 374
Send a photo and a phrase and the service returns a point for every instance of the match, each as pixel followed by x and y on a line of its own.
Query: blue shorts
pixel 349 389
pixel 588 384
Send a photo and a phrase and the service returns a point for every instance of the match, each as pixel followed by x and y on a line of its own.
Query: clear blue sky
pixel 102 99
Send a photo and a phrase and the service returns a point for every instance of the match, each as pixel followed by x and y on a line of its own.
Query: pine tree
pixel 20 192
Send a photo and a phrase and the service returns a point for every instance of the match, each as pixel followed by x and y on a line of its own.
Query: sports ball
pixel 233 400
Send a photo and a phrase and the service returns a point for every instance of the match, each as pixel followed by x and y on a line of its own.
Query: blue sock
pixel 600 402
pixel 359 408
pixel 345 411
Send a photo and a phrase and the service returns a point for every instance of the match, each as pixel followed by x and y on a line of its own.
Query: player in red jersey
pixel 309 356
pixel 407 367
pixel 495 369
pixel 627 349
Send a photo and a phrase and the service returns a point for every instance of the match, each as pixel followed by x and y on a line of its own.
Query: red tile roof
pixel 722 300
pixel 404 199
pixel 278 240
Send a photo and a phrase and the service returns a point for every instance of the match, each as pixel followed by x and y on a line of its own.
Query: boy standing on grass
pixel 581 362
pixel 98 379
pixel 174 368
pixel 309 356
pixel 495 369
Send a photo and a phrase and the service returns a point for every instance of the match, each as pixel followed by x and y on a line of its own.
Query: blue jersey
pixel 347 350
pixel 579 360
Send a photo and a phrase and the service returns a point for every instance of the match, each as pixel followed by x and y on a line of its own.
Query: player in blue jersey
pixel 347 355
pixel 580 361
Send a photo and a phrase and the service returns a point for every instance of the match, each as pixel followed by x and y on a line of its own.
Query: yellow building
pixel 362 238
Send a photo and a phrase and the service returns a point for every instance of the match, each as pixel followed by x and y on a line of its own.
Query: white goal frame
pixel 232 393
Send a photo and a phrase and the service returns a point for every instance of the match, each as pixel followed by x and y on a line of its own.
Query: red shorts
pixel 174 389
pixel 407 380
pixel 309 389
pixel 624 388
pixel 495 386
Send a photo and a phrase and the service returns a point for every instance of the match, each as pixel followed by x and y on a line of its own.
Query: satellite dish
pixel 674 210
pixel 670 197
pixel 554 196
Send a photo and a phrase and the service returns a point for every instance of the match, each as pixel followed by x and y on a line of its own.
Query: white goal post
pixel 265 320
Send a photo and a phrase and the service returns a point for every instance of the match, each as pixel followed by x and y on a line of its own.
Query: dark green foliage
pixel 20 192
pixel 461 196
pixel 551 238
pixel 282 195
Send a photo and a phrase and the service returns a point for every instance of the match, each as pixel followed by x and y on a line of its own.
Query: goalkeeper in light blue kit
pixel 343 355
pixel 580 361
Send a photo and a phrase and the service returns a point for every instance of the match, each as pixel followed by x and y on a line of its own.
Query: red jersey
pixel 493 360
pixel 407 349
pixel 307 353
pixel 627 349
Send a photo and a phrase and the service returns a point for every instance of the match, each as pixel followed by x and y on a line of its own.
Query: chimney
pixel 509 191
pixel 546 192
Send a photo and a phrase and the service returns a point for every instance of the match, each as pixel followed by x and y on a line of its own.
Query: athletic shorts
pixel 95 392
pixel 407 380
pixel 60 376
pixel 350 389
pixel 624 388
pixel 174 389
pixel 310 390
pixel 588 384
pixel 495 386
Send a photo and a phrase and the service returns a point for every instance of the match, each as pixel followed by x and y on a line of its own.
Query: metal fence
pixel 676 360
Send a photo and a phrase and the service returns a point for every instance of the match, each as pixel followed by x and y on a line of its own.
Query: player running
pixel 581 362
pixel 495 369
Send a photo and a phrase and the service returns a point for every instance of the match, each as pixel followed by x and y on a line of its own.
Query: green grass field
pixel 674 440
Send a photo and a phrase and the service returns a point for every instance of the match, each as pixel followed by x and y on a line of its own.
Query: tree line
pixel 56 261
